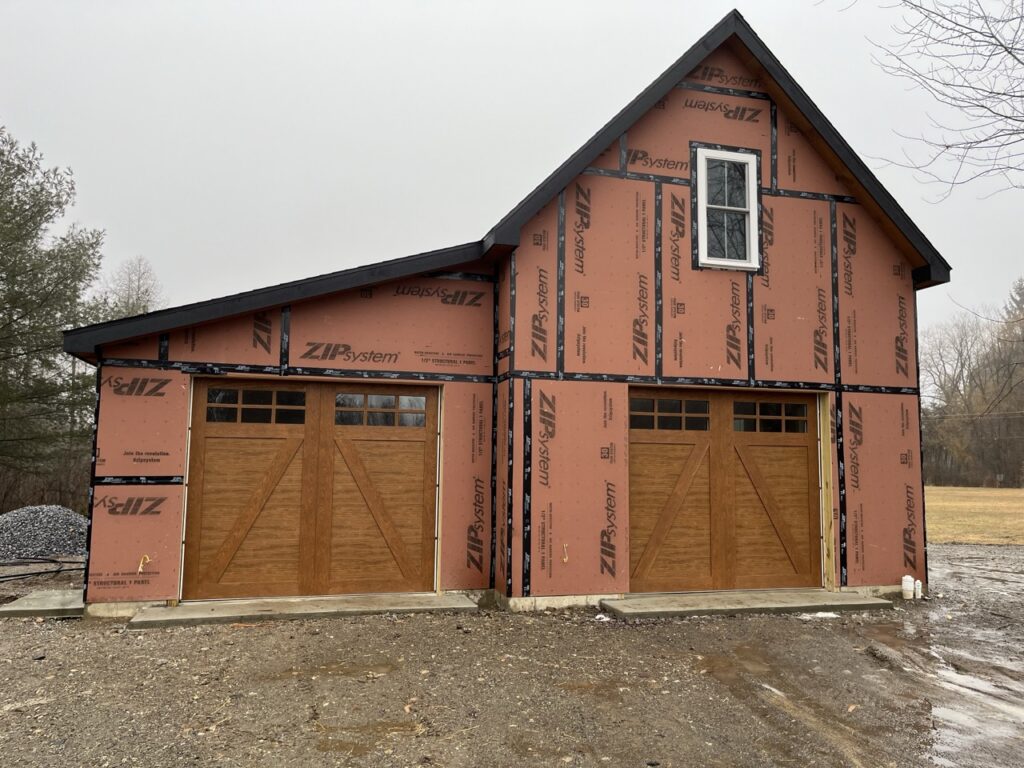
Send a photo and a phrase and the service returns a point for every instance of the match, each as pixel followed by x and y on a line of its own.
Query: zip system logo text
pixel 579 227
pixel 446 295
pixel 849 251
pixel 910 530
pixel 733 328
pixel 262 327
pixel 677 232
pixel 325 350
pixel 642 319
pixel 547 434
pixel 855 442
pixel 729 112
pixel 539 320
pixel 821 333
pixel 474 531
pixel 610 531
pixel 137 387
pixel 902 355
pixel 133 505
pixel 643 158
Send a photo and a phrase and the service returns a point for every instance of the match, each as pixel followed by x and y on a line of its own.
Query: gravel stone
pixel 41 531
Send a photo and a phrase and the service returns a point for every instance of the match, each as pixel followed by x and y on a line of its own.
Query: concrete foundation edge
pixel 117 610
pixel 550 602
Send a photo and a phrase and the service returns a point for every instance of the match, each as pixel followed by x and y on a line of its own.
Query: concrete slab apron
pixel 45 602
pixel 740 601
pixel 226 611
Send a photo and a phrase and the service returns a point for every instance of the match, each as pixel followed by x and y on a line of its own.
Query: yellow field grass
pixel 975 515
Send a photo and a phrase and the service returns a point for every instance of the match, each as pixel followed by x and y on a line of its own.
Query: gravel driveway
pixel 936 683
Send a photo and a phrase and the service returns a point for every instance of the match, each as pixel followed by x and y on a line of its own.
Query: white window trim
pixel 753 261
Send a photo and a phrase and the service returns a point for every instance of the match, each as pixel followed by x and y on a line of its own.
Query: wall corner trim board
pixel 567 402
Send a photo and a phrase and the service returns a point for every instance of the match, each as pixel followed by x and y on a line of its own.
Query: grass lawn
pixel 975 515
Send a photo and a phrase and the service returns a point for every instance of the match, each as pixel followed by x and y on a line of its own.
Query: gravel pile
pixel 41 532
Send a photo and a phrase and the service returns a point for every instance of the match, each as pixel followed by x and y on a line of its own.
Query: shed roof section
pixel 731 32
pixel 82 342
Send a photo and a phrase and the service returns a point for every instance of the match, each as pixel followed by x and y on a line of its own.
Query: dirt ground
pixel 934 683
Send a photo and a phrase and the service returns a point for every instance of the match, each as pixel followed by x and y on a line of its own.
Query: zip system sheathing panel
pixel 465 552
pixel 790 325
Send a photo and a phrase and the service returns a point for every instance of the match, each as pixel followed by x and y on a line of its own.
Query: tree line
pixel 51 280
pixel 972 385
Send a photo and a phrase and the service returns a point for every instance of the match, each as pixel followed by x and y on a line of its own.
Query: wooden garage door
pixel 723 491
pixel 310 489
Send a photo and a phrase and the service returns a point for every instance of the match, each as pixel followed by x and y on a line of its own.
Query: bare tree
pixel 972 386
pixel 969 56
pixel 131 289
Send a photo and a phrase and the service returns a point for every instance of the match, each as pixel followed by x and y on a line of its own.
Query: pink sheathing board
pixel 424 324
pixel 659 142
pixel 253 339
pixel 793 293
pixel 876 304
pixel 800 167
pixel 609 277
pixel 136 543
pixel 723 69
pixel 705 311
pixel 579 488
pixel 143 425
pixel 884 514
pixel 465 554
pixel 146 348
pixel 536 292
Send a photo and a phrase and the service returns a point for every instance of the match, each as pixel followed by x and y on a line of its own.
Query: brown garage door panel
pixel 379 529
pixel 336 494
pixel 772 516
pixel 670 515
pixel 723 491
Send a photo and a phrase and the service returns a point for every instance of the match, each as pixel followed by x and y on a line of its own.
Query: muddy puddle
pixel 360 740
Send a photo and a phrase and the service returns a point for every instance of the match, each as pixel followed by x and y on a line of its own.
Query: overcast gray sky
pixel 241 144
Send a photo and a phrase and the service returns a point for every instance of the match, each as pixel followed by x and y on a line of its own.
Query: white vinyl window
pixel 727 220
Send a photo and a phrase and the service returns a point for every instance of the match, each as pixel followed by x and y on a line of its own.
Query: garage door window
pixel 255 406
pixel 354 409
pixel 769 417
pixel 669 413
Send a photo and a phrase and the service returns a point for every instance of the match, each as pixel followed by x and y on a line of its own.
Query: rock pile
pixel 41 531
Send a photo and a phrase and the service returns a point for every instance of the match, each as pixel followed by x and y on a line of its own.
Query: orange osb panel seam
pixel 143 423
pixel 136 543
pixel 579 510
pixel 884 515
pixel 876 304
pixel 466 486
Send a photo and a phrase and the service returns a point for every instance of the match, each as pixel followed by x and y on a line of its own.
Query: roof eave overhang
pixel 84 343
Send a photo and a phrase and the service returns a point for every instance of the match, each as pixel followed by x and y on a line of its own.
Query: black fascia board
pixel 84 342
pixel 506 231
